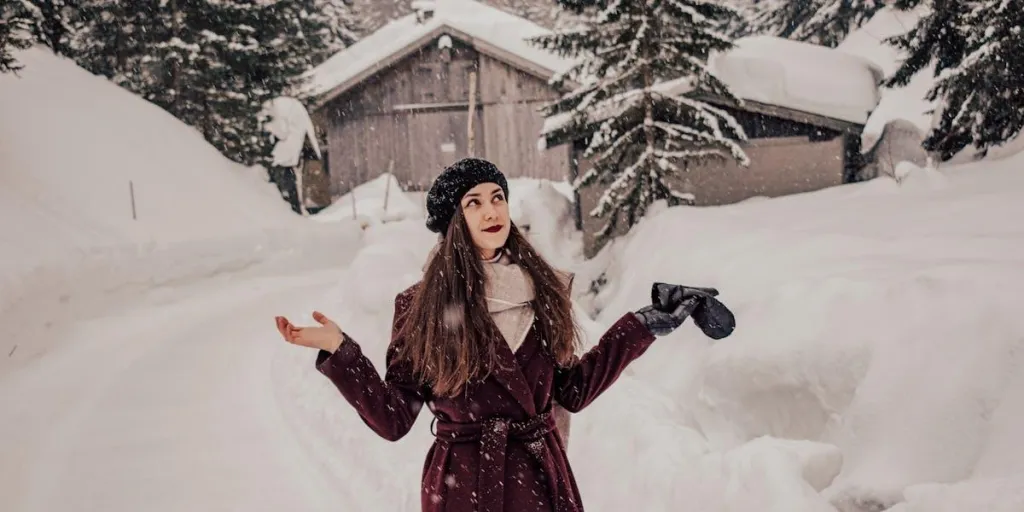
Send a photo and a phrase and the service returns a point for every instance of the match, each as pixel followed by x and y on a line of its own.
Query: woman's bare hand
pixel 326 337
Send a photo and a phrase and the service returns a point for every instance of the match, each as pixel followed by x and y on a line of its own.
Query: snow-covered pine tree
pixel 835 19
pixel 178 59
pixel 626 53
pixel 14 35
pixel 52 23
pixel 336 25
pixel 741 24
pixel 114 36
pixel 939 38
pixel 297 35
pixel 983 97
pixel 292 37
pixel 824 22
pixel 782 18
pixel 235 83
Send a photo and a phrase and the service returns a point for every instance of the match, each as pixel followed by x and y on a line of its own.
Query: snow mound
pixel 369 204
pixel 883 323
pixel 77 147
pixel 101 191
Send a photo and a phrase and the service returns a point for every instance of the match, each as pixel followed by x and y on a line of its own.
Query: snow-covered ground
pixel 877 358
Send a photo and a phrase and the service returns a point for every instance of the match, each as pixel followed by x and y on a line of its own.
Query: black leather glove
pixel 710 315
pixel 667 296
pixel 661 322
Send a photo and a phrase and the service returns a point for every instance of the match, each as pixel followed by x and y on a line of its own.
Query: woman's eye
pixel 499 197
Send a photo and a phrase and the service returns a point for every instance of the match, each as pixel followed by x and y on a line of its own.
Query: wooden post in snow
pixel 131 193
pixel 472 114
pixel 387 185
pixel 352 194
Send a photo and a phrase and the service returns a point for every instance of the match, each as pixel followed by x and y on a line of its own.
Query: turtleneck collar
pixel 497 256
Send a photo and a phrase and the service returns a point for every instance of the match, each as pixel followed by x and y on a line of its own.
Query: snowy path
pixel 162 408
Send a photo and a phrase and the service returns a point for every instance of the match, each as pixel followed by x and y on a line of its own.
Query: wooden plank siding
pixel 512 101
pixel 416 115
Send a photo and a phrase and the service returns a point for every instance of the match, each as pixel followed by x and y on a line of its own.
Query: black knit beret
pixel 454 181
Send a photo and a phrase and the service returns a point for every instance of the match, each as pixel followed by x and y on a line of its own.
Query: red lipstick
pixel 493 229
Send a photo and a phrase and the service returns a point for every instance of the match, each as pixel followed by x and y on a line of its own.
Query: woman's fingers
pixel 287 330
pixel 321 318
pixel 282 327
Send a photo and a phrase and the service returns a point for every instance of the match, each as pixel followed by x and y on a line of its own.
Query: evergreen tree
pixel 52 23
pixel 940 37
pixel 114 37
pixel 626 52
pixel 835 19
pixel 983 96
pixel 824 22
pixel 782 18
pixel 15 26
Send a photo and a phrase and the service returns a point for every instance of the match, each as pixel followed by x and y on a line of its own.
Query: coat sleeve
pixel 576 386
pixel 390 405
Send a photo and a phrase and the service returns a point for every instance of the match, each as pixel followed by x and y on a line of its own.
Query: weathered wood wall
pixel 415 115
pixel 512 101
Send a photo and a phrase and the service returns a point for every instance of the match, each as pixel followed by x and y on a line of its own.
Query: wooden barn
pixel 804 108
pixel 443 83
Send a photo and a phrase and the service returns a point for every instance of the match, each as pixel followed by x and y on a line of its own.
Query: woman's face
pixel 486 211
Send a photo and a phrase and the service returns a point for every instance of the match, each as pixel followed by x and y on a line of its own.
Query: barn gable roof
pixel 488 29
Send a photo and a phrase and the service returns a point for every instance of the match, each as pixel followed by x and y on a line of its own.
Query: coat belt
pixel 493 436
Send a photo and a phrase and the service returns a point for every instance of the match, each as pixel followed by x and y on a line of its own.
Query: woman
pixel 487 340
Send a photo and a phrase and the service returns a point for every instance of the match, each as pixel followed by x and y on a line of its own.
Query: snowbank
pixel 79 156
pixel 884 324
pixel 369 204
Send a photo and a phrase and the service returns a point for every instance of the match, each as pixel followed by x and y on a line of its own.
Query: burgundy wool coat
pixel 496 445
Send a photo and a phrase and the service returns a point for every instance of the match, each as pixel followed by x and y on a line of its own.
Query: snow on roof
pixel 481 22
pixel 795 75
pixel 801 76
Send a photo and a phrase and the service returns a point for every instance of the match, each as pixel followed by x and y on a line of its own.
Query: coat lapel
pixel 510 374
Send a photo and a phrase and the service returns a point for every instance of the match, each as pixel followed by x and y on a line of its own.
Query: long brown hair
pixel 448 334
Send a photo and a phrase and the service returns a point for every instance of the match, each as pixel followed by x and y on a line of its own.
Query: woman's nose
pixel 489 212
